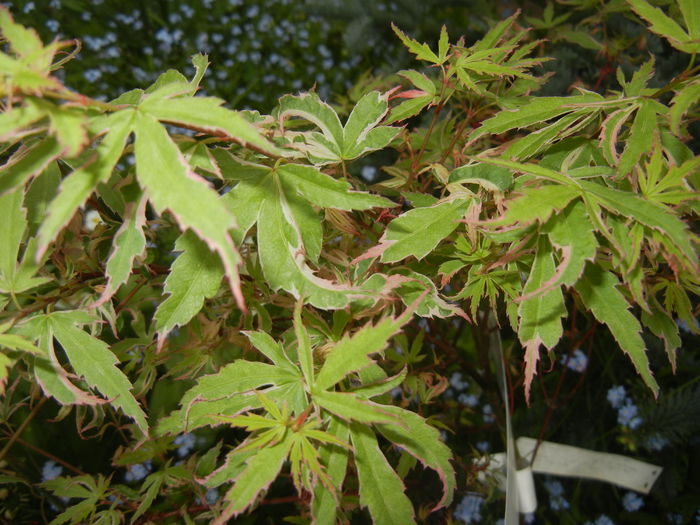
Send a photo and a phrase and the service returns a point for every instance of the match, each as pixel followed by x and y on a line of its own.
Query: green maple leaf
pixel 336 143
pixel 280 201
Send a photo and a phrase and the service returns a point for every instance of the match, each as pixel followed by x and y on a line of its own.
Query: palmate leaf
pixel 77 187
pixel 271 349
pixel 16 278
pixel 208 115
pixel 641 136
pixel 599 294
pixel 226 389
pixel 648 213
pixel 194 276
pixel 279 200
pixel 129 243
pixel 360 135
pixel 381 489
pixel 422 50
pixel 351 354
pixel 572 232
pixel 26 162
pixel 89 357
pixel 540 315
pixel 686 97
pixel 417 232
pixel 424 443
pixel 353 408
pixel 662 24
pixel 324 507
pixel 537 204
pixel 662 326
pixel 536 111
pixel 13 219
pixel 260 471
pixel 171 185
pixel 48 372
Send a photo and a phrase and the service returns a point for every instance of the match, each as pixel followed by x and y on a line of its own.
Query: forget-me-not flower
pixel 50 470
pixel 469 509
pixel 632 502
pixel 616 396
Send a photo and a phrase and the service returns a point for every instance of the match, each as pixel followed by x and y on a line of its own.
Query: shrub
pixel 181 276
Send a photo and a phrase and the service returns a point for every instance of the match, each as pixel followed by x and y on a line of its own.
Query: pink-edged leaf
pixel 424 443
pixel 171 185
pixel 260 471
pixel 129 243
pixel 77 187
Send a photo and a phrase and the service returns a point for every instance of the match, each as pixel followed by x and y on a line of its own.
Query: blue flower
pixel 92 75
pixel 52 25
pixel 470 400
pixel 554 488
pixel 369 173
pixel 138 472
pixel 469 509
pixel 50 470
pixel 656 442
pixel 186 443
pixel 616 396
pixel 556 495
pixel 577 362
pixel 483 446
pixel 627 416
pixel 604 520
pixel 212 496
pixel 456 380
pixel 632 502
pixel 488 414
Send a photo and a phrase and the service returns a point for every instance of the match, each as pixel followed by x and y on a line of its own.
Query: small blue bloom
pixel 577 362
pixel 483 446
pixel 556 495
pixel 50 470
pixel 554 487
pixel 488 414
pixel 632 502
pixel 212 496
pixel 52 25
pixel 456 380
pixel 674 519
pixel 656 442
pixel 138 472
pixel 469 509
pixel 616 396
pixel 92 75
pixel 186 443
pixel 470 400
pixel 628 416
pixel 604 520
